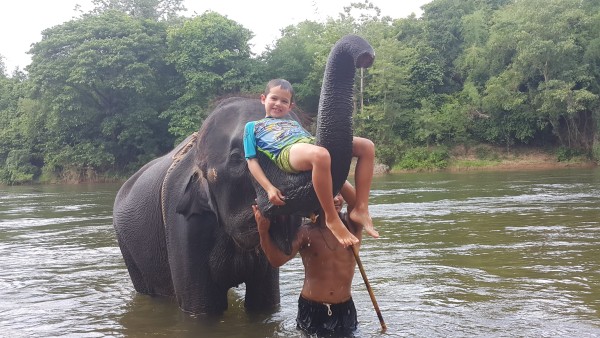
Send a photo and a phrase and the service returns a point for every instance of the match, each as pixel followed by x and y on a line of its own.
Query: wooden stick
pixel 364 276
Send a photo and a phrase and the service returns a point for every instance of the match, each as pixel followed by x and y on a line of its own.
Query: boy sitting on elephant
pixel 292 149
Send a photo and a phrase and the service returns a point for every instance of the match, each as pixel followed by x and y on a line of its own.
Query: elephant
pixel 184 221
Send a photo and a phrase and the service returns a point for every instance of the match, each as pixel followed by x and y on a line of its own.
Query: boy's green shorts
pixel 282 161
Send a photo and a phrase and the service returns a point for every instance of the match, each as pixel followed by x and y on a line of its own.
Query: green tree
pixel 540 46
pixel 212 54
pixel 144 9
pixel 443 19
pixel 20 151
pixel 293 57
pixel 509 119
pixel 2 67
pixel 102 81
pixel 385 93
pixel 8 113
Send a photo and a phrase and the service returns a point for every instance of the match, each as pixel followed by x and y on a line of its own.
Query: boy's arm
pixel 275 196
pixel 275 256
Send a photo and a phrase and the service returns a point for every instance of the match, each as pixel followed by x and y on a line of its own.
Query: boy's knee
pixel 321 154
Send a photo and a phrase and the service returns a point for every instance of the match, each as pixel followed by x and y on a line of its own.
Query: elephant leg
pixel 149 273
pixel 134 272
pixel 191 241
pixel 262 291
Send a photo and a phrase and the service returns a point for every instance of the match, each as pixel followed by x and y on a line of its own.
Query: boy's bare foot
pixel 365 220
pixel 340 232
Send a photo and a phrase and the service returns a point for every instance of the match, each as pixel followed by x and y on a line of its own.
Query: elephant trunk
pixel 334 131
pixel 334 121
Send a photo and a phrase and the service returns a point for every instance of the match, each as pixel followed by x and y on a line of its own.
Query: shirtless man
pixel 325 304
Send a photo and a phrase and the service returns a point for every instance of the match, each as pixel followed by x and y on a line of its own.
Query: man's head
pixel 338 202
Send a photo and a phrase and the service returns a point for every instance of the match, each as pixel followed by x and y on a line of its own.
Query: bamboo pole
pixel 371 294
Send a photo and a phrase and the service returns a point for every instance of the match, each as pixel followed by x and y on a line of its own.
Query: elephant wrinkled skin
pixel 184 221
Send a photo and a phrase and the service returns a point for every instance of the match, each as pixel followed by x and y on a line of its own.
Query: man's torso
pixel 329 267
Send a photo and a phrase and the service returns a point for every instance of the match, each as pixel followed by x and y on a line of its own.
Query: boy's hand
pixel 275 196
pixel 262 223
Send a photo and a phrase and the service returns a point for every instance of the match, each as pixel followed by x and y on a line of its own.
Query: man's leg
pixel 364 150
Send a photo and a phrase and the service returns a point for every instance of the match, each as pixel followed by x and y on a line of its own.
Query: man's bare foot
pixel 365 220
pixel 341 233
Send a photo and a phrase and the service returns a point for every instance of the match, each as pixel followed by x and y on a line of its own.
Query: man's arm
pixel 275 196
pixel 275 256
pixel 349 194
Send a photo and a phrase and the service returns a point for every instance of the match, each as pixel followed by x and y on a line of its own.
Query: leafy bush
pixel 423 158
pixel 387 154
pixel 18 168
pixel 596 152
pixel 486 153
pixel 565 154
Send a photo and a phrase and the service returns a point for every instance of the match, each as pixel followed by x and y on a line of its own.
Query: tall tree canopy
pixel 102 80
pixel 120 85
pixel 144 9
pixel 212 54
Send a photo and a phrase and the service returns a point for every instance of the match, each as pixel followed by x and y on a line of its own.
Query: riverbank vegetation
pixel 116 87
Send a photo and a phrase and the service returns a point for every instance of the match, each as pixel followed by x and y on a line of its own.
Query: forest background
pixel 122 84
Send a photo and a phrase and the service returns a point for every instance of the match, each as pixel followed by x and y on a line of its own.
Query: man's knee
pixel 363 147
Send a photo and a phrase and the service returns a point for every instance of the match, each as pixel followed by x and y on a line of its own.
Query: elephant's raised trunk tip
pixel 365 60
pixel 357 47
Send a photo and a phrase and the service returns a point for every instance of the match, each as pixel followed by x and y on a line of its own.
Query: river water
pixel 480 254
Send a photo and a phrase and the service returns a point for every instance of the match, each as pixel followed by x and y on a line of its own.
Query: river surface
pixel 481 254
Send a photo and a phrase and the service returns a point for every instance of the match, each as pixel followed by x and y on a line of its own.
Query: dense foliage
pixel 122 84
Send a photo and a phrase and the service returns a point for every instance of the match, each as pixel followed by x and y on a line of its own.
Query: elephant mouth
pixel 245 246
pixel 248 238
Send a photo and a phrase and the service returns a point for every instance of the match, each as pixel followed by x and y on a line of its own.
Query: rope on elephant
pixel 177 157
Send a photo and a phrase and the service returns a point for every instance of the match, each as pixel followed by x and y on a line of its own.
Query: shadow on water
pixel 161 317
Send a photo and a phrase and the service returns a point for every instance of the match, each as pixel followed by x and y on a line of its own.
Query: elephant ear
pixel 184 192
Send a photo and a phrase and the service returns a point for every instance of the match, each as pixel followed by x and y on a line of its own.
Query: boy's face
pixel 278 102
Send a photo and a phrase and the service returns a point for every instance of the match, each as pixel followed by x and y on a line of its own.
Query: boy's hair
pixel 284 84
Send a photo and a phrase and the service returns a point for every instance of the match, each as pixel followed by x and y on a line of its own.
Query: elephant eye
pixel 236 157
pixel 236 166
pixel 235 154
